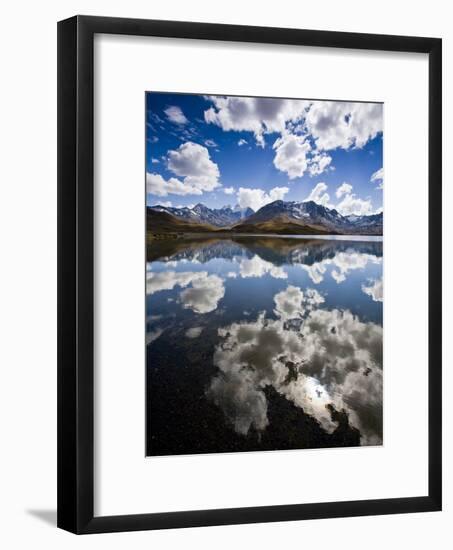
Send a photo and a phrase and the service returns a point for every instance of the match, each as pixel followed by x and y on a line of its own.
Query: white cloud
pixel 229 190
pixel 318 194
pixel 204 294
pixel 259 115
pixel 154 161
pixel 201 297
pixel 256 198
pixel 153 335
pixel 165 203
pixel 242 142
pixel 336 360
pixel 210 143
pixel 242 401
pixel 344 189
pixel 257 267
pixel 292 303
pixel 375 289
pixel 291 155
pixel 194 332
pixel 344 357
pixel 175 114
pixel 378 177
pixel 352 204
pixel 330 124
pixel 318 163
pixel 345 262
pixel 313 298
pixel 167 280
pixel 315 271
pixel 335 124
pixel 288 303
pixel 157 185
pixel 191 162
pixel 342 263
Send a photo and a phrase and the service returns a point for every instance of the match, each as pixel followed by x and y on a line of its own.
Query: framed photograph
pixel 249 310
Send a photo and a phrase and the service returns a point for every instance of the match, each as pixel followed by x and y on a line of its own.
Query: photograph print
pixel 264 274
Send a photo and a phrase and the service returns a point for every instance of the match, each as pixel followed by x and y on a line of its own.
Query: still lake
pixel 263 343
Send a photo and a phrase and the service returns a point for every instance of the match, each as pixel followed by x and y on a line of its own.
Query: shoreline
pixel 227 235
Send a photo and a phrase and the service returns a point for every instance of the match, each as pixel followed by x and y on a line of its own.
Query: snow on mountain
pixel 315 214
pixel 221 217
pixel 307 213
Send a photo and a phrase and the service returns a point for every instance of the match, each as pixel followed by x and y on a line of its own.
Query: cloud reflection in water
pixel 265 328
pixel 338 361
pixel 204 293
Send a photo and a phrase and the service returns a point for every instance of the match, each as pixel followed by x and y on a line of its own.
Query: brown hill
pixel 162 222
pixel 280 225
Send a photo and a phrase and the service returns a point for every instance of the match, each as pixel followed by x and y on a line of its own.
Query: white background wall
pixel 28 272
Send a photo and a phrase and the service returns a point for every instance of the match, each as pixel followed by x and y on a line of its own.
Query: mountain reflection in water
pixel 263 343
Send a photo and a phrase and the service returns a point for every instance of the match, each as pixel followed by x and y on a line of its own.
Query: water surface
pixel 263 343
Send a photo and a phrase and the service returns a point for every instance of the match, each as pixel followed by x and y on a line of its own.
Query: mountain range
pixel 221 217
pixel 278 217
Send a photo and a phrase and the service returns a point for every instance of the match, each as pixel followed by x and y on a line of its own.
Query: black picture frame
pixel 76 261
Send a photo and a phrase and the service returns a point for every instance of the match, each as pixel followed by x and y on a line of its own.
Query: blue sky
pixel 249 151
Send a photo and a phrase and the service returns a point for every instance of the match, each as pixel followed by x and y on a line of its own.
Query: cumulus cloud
pixel 378 178
pixel 374 289
pixel 315 271
pixel 193 164
pixel 308 129
pixel 352 204
pixel 194 332
pixel 257 267
pixel 342 264
pixel 256 198
pixel 259 115
pixel 175 114
pixel 159 186
pixel 313 298
pixel 288 303
pixel 334 124
pixel 154 161
pixel 293 303
pixel 318 194
pixel 328 124
pixel 318 163
pixel 202 296
pixel 337 360
pixel 157 281
pixel 343 189
pixel 229 190
pixel 344 355
pixel 243 404
pixel 291 155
